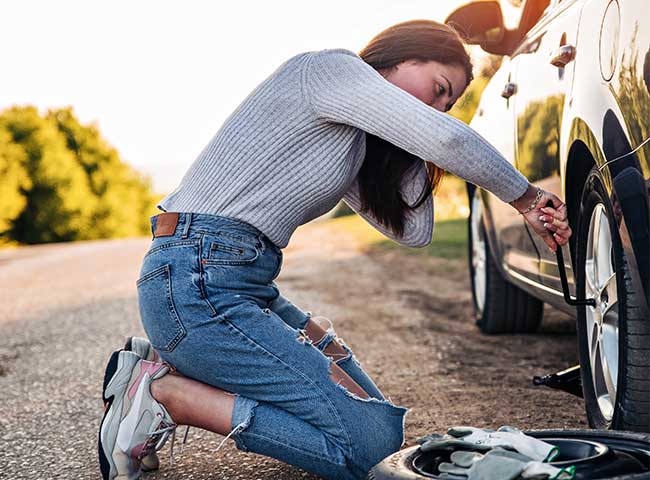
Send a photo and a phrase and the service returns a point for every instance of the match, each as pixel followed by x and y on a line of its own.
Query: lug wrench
pixel 569 379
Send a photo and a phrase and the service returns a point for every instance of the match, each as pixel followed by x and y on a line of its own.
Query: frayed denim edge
pixel 243 407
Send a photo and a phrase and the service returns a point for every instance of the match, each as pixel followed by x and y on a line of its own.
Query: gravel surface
pixel 408 318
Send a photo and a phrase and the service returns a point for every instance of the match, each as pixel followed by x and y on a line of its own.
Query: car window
pixel 532 12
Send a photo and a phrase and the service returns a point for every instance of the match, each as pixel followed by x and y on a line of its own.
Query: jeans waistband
pixel 174 223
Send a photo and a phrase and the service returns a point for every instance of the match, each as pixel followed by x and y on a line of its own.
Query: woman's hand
pixel 550 223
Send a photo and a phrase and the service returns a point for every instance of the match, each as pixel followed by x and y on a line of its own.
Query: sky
pixel 158 77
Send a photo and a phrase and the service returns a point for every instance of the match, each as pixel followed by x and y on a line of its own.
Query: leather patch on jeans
pixel 166 224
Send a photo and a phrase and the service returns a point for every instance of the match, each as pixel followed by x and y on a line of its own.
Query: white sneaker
pixel 142 347
pixel 134 423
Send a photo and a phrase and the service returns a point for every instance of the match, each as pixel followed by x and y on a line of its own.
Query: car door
pixel 543 74
pixel 494 120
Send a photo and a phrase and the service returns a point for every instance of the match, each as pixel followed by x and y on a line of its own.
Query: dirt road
pixel 64 308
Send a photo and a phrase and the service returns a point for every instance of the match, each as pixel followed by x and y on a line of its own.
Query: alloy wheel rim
pixel 478 253
pixel 602 319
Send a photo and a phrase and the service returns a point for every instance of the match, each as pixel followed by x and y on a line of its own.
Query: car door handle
pixel 509 90
pixel 563 55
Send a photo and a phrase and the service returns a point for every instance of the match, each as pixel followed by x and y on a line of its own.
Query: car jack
pixel 567 380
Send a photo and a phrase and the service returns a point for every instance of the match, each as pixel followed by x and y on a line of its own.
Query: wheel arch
pixel 622 174
pixel 580 161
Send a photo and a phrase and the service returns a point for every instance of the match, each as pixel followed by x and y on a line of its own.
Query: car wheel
pixel 612 336
pixel 596 455
pixel 499 306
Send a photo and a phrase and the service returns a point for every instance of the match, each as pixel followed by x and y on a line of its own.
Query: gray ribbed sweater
pixel 292 149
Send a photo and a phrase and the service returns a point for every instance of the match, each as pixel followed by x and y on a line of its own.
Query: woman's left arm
pixel 341 88
pixel 418 223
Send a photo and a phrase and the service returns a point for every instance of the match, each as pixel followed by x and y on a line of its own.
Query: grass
pixel 449 238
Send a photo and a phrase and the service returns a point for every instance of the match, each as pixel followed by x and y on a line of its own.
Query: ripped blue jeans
pixel 210 307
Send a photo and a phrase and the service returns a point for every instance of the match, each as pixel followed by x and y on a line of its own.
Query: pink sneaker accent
pixel 145 367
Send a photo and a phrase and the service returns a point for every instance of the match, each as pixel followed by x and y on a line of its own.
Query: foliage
pixel 449 241
pixel 634 91
pixel 13 180
pixel 342 209
pixel 537 137
pixel 61 181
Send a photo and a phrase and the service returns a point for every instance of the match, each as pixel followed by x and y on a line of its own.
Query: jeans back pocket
pixel 230 249
pixel 157 312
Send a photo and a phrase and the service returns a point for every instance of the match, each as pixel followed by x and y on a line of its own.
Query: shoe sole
pixel 116 381
pixel 141 348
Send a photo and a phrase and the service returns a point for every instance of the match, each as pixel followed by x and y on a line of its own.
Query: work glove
pixel 499 464
pixel 507 437
pixel 436 441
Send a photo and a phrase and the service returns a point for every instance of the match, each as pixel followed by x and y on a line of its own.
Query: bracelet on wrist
pixel 538 197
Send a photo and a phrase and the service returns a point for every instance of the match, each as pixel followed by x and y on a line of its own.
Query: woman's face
pixel 437 84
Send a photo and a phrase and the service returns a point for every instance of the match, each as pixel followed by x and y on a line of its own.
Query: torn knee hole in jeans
pixel 327 342
pixel 321 335
pixel 336 352
pixel 303 338
pixel 319 332
pixel 351 388
pixel 342 380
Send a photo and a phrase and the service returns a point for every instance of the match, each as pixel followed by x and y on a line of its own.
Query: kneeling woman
pixel 324 126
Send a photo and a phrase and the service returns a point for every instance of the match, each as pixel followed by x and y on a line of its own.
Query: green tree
pixel 59 203
pixel 123 194
pixel 14 181
pixel 61 181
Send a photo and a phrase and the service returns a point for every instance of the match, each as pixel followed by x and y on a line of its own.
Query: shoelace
pixel 169 429
pixel 163 434
pixel 158 438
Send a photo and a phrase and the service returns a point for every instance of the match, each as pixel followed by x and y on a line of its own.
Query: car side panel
pixel 543 90
pixel 508 239
pixel 612 117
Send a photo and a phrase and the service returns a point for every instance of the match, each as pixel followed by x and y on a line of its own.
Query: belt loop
pixel 186 227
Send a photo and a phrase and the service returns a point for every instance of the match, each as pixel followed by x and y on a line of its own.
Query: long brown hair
pixel 385 164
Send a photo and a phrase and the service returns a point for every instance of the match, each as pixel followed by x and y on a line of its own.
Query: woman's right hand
pixel 550 223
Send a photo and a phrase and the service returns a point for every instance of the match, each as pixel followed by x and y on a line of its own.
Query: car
pixel 569 107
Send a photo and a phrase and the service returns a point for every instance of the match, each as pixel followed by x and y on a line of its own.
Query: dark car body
pixel 561 121
pixel 569 107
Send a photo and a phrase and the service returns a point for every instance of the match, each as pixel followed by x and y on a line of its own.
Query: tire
pixel 612 337
pixel 499 306
pixel 596 454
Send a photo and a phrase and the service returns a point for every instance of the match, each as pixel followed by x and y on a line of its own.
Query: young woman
pixel 326 125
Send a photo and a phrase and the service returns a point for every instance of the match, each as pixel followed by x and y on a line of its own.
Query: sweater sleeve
pixel 418 223
pixel 342 88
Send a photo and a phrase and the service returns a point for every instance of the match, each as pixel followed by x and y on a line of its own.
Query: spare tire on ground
pixel 596 454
